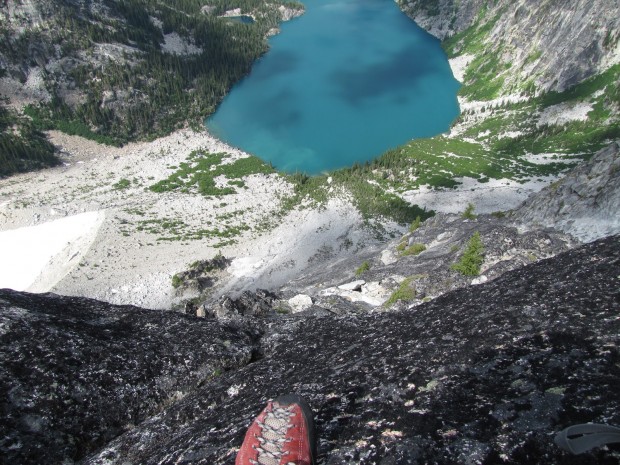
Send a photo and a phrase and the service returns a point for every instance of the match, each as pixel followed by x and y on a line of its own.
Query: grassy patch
pixel 415 224
pixel 312 189
pixel 405 292
pixel 483 77
pixel 371 199
pixel 198 174
pixel 363 268
pixel 468 214
pixel 585 89
pixel 122 184
pixel 472 39
pixel 176 281
pixel 172 229
pixel 414 249
pixel 472 259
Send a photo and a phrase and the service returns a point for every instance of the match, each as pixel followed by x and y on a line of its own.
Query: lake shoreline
pixel 112 260
pixel 290 109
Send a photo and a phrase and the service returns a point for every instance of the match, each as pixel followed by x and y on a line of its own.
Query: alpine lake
pixel 341 84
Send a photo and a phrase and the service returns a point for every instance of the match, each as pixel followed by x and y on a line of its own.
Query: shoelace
pixel 273 436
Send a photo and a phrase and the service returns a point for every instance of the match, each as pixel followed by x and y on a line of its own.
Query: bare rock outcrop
pixel 424 259
pixel 484 374
pixel 585 203
pixel 556 43
pixel 522 356
pixel 75 373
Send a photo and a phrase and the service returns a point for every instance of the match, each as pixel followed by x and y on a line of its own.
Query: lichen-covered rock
pixel 75 373
pixel 484 374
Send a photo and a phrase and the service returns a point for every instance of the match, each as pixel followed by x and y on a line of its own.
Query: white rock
pixel 300 302
pixel 388 257
pixel 233 391
pixel 353 286
pixel 479 280
pixel 375 289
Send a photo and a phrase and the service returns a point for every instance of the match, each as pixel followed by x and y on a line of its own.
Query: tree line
pixel 153 92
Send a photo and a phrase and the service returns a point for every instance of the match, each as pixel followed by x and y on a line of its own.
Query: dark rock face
pixel 201 274
pixel 485 374
pixel 248 304
pixel 75 373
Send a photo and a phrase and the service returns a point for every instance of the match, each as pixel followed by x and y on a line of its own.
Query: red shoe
pixel 282 434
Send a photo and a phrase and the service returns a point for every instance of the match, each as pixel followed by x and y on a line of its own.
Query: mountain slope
pixel 118 71
pixel 584 203
pixel 552 44
pixel 540 95
pixel 522 357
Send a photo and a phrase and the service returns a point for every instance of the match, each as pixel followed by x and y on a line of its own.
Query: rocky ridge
pixel 580 207
pixel 343 286
pixel 523 356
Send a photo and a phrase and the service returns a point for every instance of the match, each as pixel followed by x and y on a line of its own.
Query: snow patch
pixel 55 246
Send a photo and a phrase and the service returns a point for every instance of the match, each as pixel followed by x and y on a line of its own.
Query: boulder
pixel 300 302
pixel 353 286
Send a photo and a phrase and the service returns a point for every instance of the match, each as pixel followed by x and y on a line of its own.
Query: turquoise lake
pixel 341 84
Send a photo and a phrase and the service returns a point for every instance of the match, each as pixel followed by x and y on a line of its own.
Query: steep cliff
pixel 75 373
pixel 553 44
pixel 485 374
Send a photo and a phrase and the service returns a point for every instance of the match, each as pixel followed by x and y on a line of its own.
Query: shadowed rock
pixel 75 373
pixel 584 203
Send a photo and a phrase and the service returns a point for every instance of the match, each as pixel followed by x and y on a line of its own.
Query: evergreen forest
pixel 110 78
pixel 22 146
